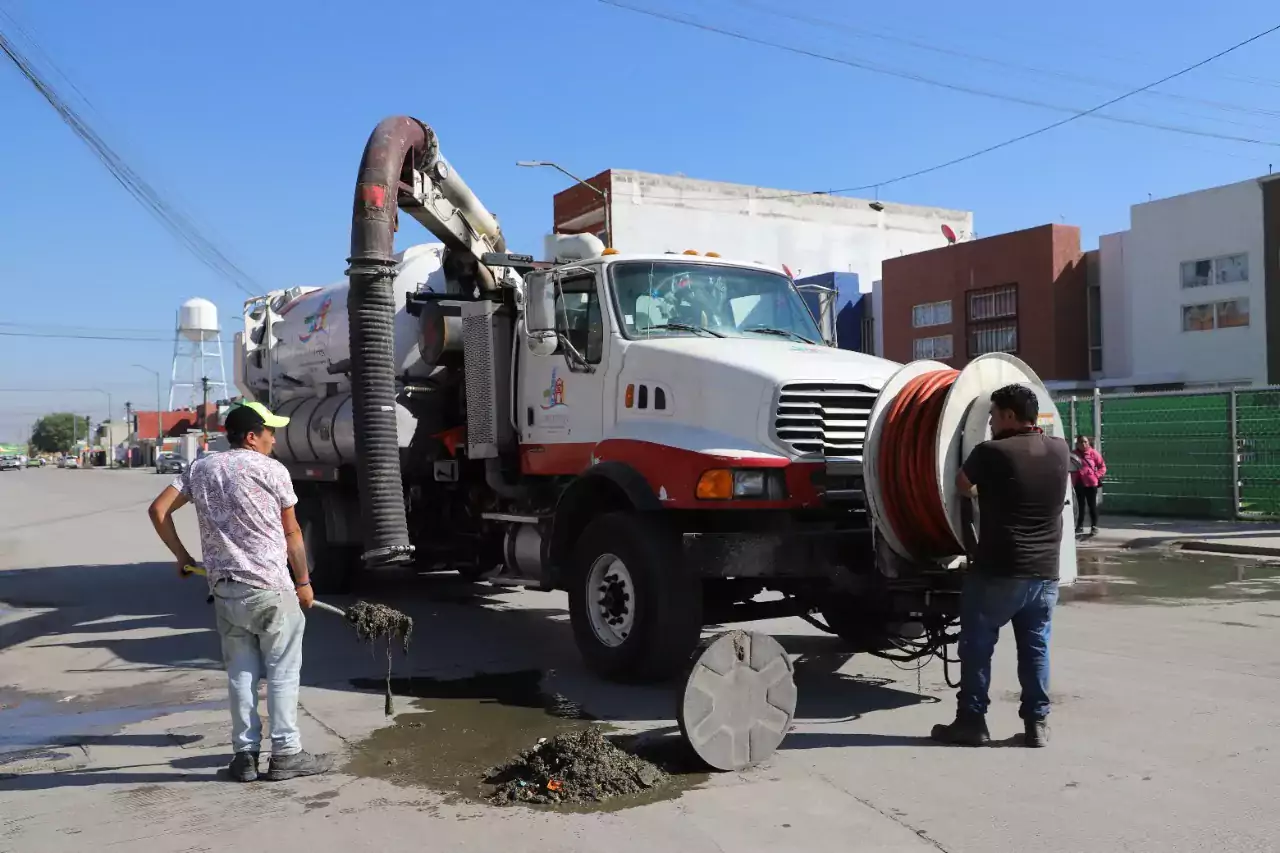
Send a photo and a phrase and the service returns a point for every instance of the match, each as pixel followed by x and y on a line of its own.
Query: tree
pixel 55 433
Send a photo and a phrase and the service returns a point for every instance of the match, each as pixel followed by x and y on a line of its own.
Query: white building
pixel 1183 292
pixel 808 234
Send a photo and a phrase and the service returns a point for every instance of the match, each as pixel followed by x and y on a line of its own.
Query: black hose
pixel 371 308
pixel 396 147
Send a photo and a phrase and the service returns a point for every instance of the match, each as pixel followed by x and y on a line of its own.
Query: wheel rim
pixel 611 600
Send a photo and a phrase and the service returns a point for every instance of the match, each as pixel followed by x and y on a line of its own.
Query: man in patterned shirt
pixel 249 538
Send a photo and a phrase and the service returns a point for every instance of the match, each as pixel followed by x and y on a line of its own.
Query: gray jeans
pixel 261 632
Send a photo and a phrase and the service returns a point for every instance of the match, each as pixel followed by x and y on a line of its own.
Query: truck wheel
pixel 636 611
pixel 332 566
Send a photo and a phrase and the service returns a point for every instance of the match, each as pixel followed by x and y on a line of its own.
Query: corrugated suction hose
pixel 371 308
pixel 907 467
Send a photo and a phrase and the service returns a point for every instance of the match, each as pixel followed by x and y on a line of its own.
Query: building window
pixel 1228 314
pixel 868 340
pixel 1228 269
pixel 994 303
pixel 936 347
pixel 993 337
pixel 931 314
pixel 992 316
pixel 1233 313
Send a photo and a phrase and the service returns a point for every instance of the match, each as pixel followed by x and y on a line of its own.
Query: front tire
pixel 635 608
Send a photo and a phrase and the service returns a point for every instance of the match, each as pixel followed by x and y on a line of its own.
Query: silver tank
pixel 321 430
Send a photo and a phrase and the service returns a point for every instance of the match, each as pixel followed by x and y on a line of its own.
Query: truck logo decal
pixel 553 395
pixel 317 322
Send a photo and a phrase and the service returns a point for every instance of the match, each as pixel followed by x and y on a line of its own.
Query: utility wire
pixel 173 220
pixel 1092 111
pixel 861 32
pixel 84 337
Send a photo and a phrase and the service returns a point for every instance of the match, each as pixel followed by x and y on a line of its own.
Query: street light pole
pixel 159 416
pixel 604 194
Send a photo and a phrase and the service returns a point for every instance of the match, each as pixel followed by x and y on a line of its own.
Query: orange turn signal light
pixel 690 252
pixel 715 485
pixel 629 399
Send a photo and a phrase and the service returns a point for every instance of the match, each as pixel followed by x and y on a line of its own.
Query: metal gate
pixel 1210 454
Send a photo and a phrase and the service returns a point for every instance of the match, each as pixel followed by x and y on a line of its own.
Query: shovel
pixel 338 611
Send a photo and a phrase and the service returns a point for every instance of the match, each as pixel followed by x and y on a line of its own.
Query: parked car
pixel 10 463
pixel 34 463
pixel 170 463
pixel 72 462
pixel 62 462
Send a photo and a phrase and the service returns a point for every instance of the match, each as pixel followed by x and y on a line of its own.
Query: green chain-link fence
pixel 1197 455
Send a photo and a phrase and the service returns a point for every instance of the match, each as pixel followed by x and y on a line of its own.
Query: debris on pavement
pixel 573 767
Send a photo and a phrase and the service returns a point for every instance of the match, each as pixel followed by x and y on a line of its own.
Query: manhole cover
pixel 738 700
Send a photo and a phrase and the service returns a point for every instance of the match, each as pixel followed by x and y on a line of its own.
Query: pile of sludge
pixel 574 767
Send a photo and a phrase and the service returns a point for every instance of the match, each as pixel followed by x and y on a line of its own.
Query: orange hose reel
pixel 907 467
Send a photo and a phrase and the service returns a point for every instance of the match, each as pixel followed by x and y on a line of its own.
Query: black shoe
pixel 967 730
pixel 1093 531
pixel 1079 531
pixel 1037 734
pixel 299 764
pixel 244 767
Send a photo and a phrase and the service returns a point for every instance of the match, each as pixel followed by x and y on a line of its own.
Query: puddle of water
pixel 1158 577
pixel 464 728
pixel 33 721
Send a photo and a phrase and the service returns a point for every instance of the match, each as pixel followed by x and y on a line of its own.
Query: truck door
pixel 561 412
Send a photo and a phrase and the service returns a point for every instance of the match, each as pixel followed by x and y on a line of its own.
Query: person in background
pixel 249 538
pixel 1020 480
pixel 1088 469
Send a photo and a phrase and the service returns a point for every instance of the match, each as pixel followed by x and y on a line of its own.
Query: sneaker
pixel 967 730
pixel 244 767
pixel 1093 531
pixel 1037 734
pixel 299 764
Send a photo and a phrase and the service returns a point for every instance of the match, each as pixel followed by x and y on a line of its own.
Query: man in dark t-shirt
pixel 1020 480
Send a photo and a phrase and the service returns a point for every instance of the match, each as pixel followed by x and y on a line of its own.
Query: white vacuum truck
pixel 665 437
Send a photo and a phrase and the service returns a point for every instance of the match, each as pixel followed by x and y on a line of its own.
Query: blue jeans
pixel 987 604
pixel 261 632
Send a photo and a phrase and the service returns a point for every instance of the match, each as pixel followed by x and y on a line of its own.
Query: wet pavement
pixel 113 729
pixel 1171 578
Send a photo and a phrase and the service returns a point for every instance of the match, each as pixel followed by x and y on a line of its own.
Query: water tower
pixel 197 353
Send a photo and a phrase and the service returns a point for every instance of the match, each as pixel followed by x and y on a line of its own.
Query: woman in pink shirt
pixel 1087 471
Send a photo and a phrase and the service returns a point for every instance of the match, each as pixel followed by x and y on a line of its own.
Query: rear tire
pixel 635 608
pixel 333 567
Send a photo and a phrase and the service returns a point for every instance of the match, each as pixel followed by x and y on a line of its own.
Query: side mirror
pixel 540 315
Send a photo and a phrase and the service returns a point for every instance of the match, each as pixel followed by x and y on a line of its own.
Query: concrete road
pixel 113 727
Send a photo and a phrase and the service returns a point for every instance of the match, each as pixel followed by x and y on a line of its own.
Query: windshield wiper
pixel 782 333
pixel 687 327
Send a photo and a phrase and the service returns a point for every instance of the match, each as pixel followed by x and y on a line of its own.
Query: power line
pixel 861 32
pixel 1092 111
pixel 173 220
pixel 42 327
pixel 83 337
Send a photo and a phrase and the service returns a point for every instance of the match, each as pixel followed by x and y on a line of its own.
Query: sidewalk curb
pixel 1225 548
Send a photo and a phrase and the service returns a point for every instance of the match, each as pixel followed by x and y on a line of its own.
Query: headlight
pixel 722 484
pixel 748 484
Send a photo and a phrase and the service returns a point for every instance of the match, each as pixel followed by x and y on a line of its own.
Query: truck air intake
pixel 394 148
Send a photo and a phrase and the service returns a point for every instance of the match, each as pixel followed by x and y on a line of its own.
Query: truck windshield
pixel 663 298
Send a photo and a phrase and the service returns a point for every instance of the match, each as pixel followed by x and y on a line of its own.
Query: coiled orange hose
pixel 907 467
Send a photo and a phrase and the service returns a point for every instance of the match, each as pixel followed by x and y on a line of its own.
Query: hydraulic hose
pixel 395 148
pixel 907 467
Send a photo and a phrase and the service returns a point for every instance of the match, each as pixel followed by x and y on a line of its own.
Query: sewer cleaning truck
pixel 667 438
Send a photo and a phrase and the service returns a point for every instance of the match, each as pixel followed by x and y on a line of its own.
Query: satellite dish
pixel 949 234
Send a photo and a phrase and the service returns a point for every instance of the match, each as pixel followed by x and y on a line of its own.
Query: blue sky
pixel 251 118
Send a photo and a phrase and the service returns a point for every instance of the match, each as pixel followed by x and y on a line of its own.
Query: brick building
pixel 1024 293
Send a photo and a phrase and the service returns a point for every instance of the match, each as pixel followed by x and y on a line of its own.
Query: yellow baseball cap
pixel 247 417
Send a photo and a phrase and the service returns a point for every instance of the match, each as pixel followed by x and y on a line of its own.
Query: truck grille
pixel 822 418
